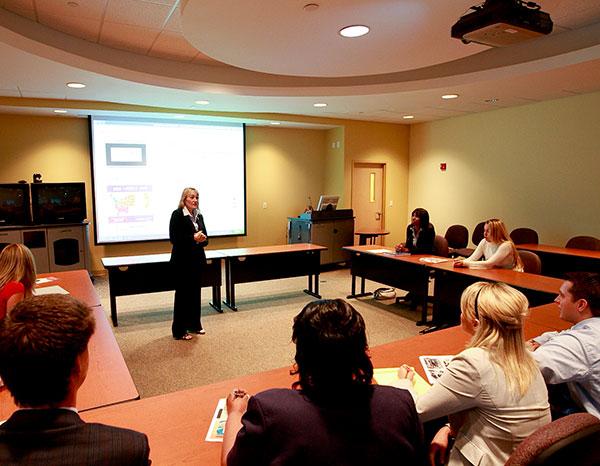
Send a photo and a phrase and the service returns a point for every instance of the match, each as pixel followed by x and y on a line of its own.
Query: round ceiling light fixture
pixel 450 96
pixel 408 117
pixel 74 85
pixel 320 104
pixel 356 30
pixel 202 102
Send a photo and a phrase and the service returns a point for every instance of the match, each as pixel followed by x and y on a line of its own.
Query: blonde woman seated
pixel 17 276
pixel 496 249
pixel 493 391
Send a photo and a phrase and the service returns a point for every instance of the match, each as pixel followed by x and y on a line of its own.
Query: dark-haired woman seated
pixel 333 415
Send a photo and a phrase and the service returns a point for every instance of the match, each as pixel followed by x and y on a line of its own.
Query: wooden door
pixel 368 188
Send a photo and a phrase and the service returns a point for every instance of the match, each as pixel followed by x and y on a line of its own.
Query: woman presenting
pixel 188 237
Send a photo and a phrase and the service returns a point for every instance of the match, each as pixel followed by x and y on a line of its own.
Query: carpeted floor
pixel 254 339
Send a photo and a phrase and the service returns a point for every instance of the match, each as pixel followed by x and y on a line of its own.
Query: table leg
pixel 216 299
pixel 113 309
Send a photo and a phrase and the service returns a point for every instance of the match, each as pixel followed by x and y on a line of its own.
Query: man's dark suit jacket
pixel 59 437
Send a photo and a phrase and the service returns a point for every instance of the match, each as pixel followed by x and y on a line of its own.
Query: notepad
pixel 433 260
pixel 217 425
pixel 389 376
pixel 54 289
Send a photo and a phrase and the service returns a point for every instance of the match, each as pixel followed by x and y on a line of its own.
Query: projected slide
pixel 141 166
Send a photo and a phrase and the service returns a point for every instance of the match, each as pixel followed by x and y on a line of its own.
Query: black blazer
pixel 181 233
pixel 59 437
pixel 424 241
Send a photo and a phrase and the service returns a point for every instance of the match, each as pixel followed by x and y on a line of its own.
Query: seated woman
pixel 333 415
pixel 493 391
pixel 419 234
pixel 496 248
pixel 17 276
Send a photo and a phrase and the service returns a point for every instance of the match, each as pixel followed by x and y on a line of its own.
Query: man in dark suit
pixel 43 362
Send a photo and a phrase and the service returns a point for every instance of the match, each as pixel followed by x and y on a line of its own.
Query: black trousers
pixel 186 308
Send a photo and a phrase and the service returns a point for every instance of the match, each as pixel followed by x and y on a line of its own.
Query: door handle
pixel 377 215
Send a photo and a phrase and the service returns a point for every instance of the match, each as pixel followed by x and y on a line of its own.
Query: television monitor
pixel 14 204
pixel 328 202
pixel 58 202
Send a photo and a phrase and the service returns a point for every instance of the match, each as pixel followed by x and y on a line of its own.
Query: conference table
pixel 383 265
pixel 450 282
pixel 556 261
pixel 151 273
pixel 244 265
pixel 412 272
pixel 108 381
pixel 177 423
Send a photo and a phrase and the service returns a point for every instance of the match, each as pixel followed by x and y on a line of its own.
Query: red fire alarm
pixel 443 166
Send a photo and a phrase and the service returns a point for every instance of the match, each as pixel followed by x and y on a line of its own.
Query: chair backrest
pixel 570 440
pixel 478 233
pixel 584 242
pixel 531 262
pixel 524 235
pixel 440 246
pixel 457 236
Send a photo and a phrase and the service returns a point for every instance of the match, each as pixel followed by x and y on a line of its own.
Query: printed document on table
pixel 54 289
pixel 435 366
pixel 217 425
pixel 434 260
pixel 40 281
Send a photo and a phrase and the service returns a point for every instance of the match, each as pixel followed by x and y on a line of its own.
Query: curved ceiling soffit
pixel 545 53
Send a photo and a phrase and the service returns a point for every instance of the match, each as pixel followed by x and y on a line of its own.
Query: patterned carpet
pixel 256 338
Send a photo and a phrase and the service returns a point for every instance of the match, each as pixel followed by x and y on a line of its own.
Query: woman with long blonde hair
pixel 495 250
pixel 17 276
pixel 493 391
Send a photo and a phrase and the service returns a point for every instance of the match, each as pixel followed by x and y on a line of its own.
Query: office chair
pixel 476 237
pixel 524 235
pixel 457 237
pixel 584 242
pixel 531 262
pixel 440 246
pixel 570 440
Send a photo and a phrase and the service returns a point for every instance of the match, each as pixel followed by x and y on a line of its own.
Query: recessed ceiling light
pixel 72 4
pixel 408 117
pixel 202 102
pixel 356 30
pixel 311 7
pixel 450 96
pixel 58 110
pixel 275 123
pixel 320 104
pixel 491 101
pixel 76 85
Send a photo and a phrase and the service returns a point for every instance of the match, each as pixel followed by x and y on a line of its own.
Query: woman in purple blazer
pixel 333 414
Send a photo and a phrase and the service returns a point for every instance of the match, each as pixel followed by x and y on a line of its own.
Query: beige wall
pixel 388 144
pixel 284 166
pixel 536 165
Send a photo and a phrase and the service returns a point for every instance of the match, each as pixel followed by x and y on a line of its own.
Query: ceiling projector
pixel 502 22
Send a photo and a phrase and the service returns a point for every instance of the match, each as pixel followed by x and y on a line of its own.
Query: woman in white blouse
pixel 493 391
pixel 495 250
